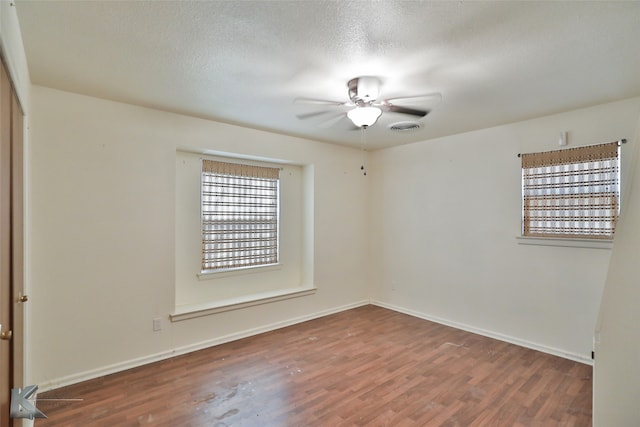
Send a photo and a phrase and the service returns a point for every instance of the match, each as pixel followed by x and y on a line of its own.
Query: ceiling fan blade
pixel 313 114
pixel 406 110
pixel 313 101
pixel 429 99
pixel 332 121
pixel 311 105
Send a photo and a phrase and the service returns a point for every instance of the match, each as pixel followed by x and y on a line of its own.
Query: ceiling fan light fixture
pixel 364 116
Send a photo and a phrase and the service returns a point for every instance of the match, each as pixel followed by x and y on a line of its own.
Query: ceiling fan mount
pixel 363 108
pixel 364 90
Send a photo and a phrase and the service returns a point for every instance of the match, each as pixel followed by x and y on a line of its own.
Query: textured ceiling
pixel 245 62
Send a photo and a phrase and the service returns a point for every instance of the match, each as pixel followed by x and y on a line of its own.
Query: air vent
pixel 405 126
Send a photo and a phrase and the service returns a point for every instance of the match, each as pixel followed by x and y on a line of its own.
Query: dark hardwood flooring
pixel 364 367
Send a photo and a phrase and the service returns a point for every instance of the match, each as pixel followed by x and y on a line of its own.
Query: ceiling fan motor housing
pixel 364 90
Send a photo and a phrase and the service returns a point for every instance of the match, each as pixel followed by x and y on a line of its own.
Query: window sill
pixel 191 311
pixel 567 243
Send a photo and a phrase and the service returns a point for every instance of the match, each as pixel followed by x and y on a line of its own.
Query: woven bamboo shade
pixel 240 213
pixel 571 193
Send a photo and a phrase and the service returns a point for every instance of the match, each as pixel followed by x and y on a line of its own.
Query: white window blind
pixel 571 193
pixel 240 215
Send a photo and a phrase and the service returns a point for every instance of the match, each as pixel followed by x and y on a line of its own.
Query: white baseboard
pixel 134 363
pixel 490 334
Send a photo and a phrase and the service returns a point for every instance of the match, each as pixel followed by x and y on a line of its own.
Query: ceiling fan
pixel 364 108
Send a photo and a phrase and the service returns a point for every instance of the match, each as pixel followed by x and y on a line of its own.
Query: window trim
pixel 229 272
pixel 191 311
pixel 565 242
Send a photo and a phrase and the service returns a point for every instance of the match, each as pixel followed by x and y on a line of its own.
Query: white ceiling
pixel 245 62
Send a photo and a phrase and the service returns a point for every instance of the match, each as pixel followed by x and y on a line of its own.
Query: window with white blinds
pixel 571 193
pixel 240 216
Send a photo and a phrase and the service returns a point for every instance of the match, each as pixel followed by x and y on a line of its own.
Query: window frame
pixel 241 171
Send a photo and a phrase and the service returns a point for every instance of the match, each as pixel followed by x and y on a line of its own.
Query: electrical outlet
pixel 393 286
pixel 157 324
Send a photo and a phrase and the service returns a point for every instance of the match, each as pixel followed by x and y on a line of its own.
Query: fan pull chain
pixel 362 142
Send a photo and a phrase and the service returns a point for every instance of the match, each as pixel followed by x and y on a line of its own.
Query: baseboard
pixel 486 333
pixel 134 363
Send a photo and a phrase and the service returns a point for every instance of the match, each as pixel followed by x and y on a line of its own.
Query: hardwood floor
pixel 364 367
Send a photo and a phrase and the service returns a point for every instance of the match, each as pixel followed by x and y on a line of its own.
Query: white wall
pixel 445 216
pixel 102 186
pixel 616 382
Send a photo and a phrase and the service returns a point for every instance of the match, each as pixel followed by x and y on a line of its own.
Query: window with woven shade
pixel 571 193
pixel 240 216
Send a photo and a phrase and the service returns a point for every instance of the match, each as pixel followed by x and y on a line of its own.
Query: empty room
pixel 319 213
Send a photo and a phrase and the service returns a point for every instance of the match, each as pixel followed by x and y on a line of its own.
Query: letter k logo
pixel 21 407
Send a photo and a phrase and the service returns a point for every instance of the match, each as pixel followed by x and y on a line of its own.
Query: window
pixel 571 193
pixel 240 216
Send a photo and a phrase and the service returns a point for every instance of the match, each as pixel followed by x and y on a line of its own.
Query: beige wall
pixel 103 211
pixel 616 383
pixel 447 212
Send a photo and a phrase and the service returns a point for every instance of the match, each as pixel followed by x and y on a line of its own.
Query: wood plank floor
pixel 364 367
